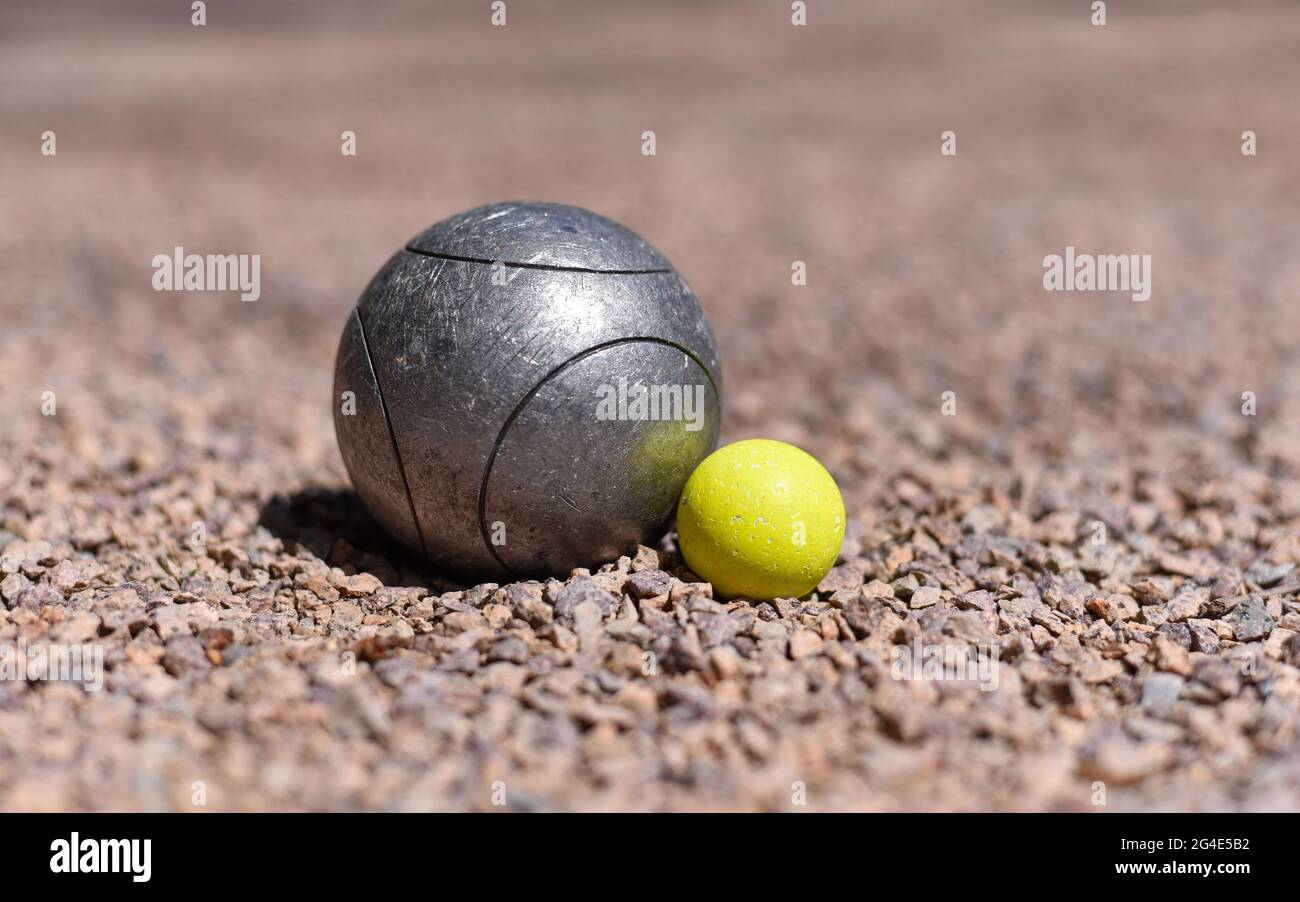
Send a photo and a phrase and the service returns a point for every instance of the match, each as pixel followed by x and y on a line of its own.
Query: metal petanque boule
pixel 532 384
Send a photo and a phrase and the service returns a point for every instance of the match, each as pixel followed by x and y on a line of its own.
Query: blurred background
pixel 774 144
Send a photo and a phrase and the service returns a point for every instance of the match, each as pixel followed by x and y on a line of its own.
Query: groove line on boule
pixel 392 436
pixel 547 267
pixel 532 392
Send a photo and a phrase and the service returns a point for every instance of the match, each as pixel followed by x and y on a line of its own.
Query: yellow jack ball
pixel 762 519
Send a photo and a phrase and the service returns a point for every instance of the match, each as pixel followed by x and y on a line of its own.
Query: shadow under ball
pixel 478 358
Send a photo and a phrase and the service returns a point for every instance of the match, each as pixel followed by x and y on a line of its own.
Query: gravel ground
pixel 293 659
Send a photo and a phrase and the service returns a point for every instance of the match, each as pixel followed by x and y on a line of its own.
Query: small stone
pixel 18 553
pixel 685 653
pixel 863 616
pixel 787 608
pixel 638 698
pixel 184 654
pixel 194 589
pixel 715 627
pixel 1218 675
pixel 122 608
pixel 903 587
pixel 1178 633
pixel 1226 586
pixel 1015 605
pixel 1265 575
pixel 1178 564
pixel 1151 591
pixel 580 590
pixel 1122 762
pixel 525 601
pixel 725 661
pixel 1250 620
pixel 1204 637
pixel 504 677
pixel 346 615
pixel 805 644
pixel 1290 652
pixel 629 631
pixel 36 597
pixel 845 576
pixel 359 585
pixel 477 596
pixel 1169 656
pixel 646 559
pixel 648 583
pixel 216 638
pixel 70 576
pixel 12 586
pixel 1186 604
pixel 391 598
pixel 1160 691
pixel 497 615
pixel 463 621
pixel 877 589
pixel 586 617
pixel 896 557
pixel 560 636
pixel 172 620
pixel 1113 608
pixel 1154 614
pixel 979 600
pixel 77 629
pixel 511 649
pixel 1095 670
pixel 924 597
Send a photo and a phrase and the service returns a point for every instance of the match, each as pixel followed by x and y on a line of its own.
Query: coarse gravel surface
pixel 1102 507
